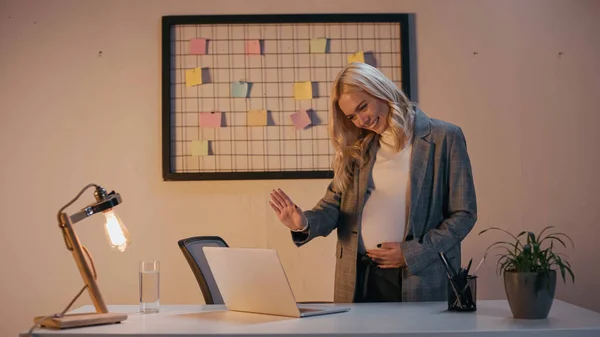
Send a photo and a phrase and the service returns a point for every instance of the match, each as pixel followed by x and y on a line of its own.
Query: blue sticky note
pixel 239 89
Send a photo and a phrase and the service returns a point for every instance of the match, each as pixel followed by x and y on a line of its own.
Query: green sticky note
pixel 199 148
pixel 318 45
pixel 239 89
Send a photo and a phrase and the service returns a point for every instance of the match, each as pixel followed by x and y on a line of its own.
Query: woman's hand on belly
pixel 388 255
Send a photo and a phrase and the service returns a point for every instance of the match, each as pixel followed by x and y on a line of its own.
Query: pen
pixel 475 272
pixel 468 267
pixel 479 265
pixel 450 278
pixel 446 265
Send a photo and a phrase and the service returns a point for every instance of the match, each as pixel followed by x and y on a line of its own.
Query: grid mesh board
pixel 225 55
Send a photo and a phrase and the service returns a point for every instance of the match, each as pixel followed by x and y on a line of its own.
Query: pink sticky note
pixel 300 119
pixel 253 47
pixel 210 119
pixel 198 46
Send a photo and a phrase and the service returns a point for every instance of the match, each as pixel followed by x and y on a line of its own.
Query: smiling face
pixel 364 111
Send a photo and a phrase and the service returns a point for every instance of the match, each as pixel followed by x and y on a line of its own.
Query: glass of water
pixel 149 286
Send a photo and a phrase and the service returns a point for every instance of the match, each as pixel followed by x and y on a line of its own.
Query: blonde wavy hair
pixel 352 144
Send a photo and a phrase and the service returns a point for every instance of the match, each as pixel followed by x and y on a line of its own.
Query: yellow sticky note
pixel 193 77
pixel 357 57
pixel 257 117
pixel 318 45
pixel 199 148
pixel 303 90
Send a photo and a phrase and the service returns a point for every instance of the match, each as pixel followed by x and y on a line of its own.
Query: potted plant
pixel 529 267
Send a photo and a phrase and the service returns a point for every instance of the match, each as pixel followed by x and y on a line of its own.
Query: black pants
pixel 374 284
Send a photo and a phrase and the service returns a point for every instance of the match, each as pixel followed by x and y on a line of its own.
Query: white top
pixel 423 319
pixel 385 213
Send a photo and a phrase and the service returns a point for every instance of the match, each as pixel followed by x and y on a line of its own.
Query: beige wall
pixel 70 117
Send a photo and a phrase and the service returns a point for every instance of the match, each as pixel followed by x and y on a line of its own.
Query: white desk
pixel 493 318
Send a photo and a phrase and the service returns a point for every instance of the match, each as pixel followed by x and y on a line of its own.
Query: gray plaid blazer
pixel 443 210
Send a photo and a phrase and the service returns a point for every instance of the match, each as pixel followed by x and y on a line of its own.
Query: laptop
pixel 253 280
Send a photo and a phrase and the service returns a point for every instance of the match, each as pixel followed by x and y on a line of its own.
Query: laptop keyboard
pixel 308 310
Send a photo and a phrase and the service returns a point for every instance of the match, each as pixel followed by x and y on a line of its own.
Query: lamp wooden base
pixel 81 320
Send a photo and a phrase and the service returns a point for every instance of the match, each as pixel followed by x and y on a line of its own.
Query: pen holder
pixel 462 293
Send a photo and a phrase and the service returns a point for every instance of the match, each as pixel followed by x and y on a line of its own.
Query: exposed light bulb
pixel 116 232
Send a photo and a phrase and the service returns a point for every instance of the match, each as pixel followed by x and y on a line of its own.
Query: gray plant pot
pixel 530 295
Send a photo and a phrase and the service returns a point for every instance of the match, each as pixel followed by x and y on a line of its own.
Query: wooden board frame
pixel 168 22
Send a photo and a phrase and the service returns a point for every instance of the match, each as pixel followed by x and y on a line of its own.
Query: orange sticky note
pixel 193 77
pixel 300 119
pixel 210 119
pixel 257 117
pixel 303 90
pixel 199 148
pixel 357 57
pixel 253 47
pixel 198 46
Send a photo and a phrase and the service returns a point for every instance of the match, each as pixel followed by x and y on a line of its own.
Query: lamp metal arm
pixel 103 203
pixel 110 200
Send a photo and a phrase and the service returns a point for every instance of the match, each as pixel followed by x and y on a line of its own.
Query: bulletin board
pixel 247 96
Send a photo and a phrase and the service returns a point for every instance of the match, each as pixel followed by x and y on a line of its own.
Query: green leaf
pixel 503 243
pixel 562 255
pixel 571 273
pixel 562 267
pixel 566 236
pixel 505 266
pixel 500 229
pixel 530 238
pixel 554 238
pixel 540 236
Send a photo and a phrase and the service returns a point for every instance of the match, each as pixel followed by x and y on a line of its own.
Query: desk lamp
pixel 118 237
